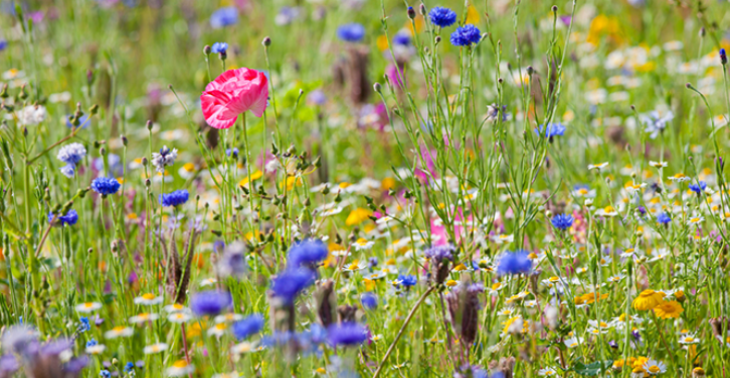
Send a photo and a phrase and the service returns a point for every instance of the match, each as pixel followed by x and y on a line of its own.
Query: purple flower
pixel 245 328
pixel 369 301
pixel 514 263
pixel 211 302
pixel 699 187
pixel 562 221
pixel 353 32
pixel 105 185
pixel 8 365
pixel 663 218
pixel 289 284
pixel 466 36
pixel 407 280
pixel 224 17
pixel 442 17
pixel 440 253
pixel 175 198
pixel 219 47
pixel 346 334
pixel 307 253
pixel 70 218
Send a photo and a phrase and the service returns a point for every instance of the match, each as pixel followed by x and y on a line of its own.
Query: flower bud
pixel 207 49
pixel 411 13
pixel 266 42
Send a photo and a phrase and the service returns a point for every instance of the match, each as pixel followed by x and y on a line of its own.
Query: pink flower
pixel 232 93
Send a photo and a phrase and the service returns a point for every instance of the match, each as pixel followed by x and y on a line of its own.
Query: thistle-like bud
pixel 326 303
pixel 723 57
pixel 24 94
pixel 266 42
pixel 94 109
pixel 149 125
pixel 463 303
pixel 347 313
pixel 207 49
pixel 125 141
pixel 377 87
pixel 440 257
pixel 422 9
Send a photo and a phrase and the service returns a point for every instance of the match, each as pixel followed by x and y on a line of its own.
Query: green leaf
pixel 591 369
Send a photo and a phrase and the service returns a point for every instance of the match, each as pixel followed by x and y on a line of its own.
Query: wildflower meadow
pixel 364 188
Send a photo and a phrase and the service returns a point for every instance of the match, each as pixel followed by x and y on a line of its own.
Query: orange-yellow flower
pixel 668 310
pixel 647 300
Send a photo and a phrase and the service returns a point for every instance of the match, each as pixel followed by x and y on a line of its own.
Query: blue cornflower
pixel 84 326
pixel 699 187
pixel 3 44
pixel 70 218
pixel 346 334
pixel 105 185
pixel 224 17
pixel 307 253
pixel 369 301
pixel 562 221
pixel 353 32
pixel 91 343
pixel 245 328
pixel 211 302
pixel 175 198
pixel 442 17
pixel 440 253
pixel 289 284
pixel 232 152
pixel 129 367
pixel 723 57
pixel 84 122
pixel 373 262
pixel 466 35
pixel 105 373
pixel 663 218
pixel 407 280
pixel 71 154
pixel 219 47
pixel 656 122
pixel 552 130
pixel 9 364
pixel 514 263
pixel 402 39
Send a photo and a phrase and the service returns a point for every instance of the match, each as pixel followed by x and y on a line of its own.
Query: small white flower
pixel 155 348
pixel 95 349
pixel 180 368
pixel 119 331
pixel 654 367
pixel 32 115
pixel 143 317
pixel 148 299
pixel 88 307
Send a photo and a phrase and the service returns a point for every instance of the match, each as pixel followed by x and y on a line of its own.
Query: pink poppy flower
pixel 232 93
